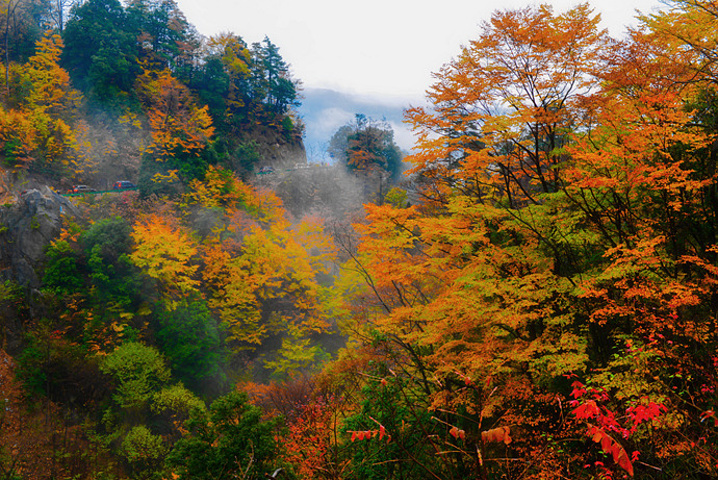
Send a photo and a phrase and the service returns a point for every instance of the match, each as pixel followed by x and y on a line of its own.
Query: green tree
pixel 116 284
pixel 165 38
pixel 138 372
pixel 190 337
pixel 398 411
pixel 367 147
pixel 229 441
pixel 101 51
pixel 272 83
pixel 63 273
pixel 143 451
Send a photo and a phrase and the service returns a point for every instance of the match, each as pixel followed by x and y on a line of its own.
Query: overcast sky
pixel 371 47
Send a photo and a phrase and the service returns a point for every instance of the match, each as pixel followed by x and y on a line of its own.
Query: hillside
pixel 535 298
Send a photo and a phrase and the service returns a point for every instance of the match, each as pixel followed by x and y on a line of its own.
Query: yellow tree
pixel 166 252
pixel 236 59
pixel 40 125
pixel 261 270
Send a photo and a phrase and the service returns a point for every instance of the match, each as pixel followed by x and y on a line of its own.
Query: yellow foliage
pixel 166 252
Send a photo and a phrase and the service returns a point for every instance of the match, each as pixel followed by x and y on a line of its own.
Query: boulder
pixel 26 228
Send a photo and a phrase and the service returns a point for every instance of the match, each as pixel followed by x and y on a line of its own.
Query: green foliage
pixel 116 284
pixel 157 179
pixel 296 354
pixel 401 409
pixel 229 441
pixel 189 337
pixel 367 146
pixel 30 365
pixel 111 236
pixel 397 197
pixel 273 87
pixel 177 400
pixel 244 157
pixel 138 371
pixel 52 365
pixel 143 451
pixel 101 51
pixel 10 294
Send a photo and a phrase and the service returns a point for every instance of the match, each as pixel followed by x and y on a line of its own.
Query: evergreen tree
pixel 101 51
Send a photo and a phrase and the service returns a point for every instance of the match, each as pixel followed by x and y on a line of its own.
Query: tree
pixel 180 130
pixel 273 85
pixel 259 81
pixel 37 130
pixel 190 338
pixel 561 239
pixel 234 54
pixel 166 252
pixel 366 147
pixel 229 441
pixel 166 39
pixel 468 291
pixel 22 25
pixel 138 372
pixel 263 273
pixel 504 107
pixel 101 52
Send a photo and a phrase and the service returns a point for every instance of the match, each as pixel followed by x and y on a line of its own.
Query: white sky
pixel 378 48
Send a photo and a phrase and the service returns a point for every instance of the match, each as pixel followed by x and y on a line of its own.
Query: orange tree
pixel 180 130
pixel 562 252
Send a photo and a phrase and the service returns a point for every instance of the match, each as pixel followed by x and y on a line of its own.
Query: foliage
pixel 229 441
pixel 142 450
pixel 538 302
pixel 36 131
pixel 261 271
pixel 138 371
pixel 180 128
pixel 101 52
pixel 561 229
pixel 367 148
pixel 164 251
pixel 190 337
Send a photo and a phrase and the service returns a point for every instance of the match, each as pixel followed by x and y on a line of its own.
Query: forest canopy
pixel 535 298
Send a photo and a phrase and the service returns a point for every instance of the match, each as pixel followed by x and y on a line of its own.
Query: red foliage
pixel 587 406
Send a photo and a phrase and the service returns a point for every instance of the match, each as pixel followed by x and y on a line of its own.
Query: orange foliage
pixel 504 106
pixel 39 129
pixel 176 123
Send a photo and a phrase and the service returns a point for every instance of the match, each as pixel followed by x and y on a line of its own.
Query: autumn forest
pixel 530 293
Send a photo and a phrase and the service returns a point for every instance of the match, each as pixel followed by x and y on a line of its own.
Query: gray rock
pixel 26 228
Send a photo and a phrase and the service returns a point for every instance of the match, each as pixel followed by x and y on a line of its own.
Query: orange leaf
pixel 500 434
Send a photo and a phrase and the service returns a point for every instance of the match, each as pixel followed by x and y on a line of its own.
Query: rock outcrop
pixel 26 228
pixel 275 148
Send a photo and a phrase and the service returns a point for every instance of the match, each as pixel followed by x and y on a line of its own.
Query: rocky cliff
pixel 276 148
pixel 27 226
